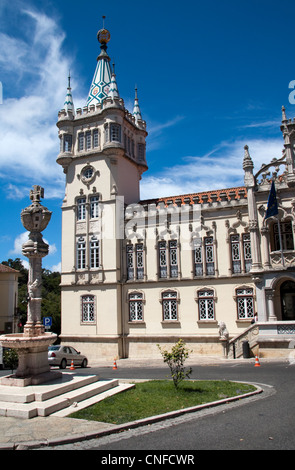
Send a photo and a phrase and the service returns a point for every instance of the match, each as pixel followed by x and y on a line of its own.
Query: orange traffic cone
pixel 115 364
pixel 257 363
pixel 72 365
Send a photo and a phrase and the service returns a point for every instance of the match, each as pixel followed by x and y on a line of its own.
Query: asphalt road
pixel 265 422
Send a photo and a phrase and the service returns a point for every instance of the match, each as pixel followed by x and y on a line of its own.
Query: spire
pixel 113 92
pixel 136 108
pixel 100 85
pixel 247 162
pixel 284 117
pixel 69 103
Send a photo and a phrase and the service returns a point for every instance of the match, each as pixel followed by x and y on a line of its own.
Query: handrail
pixel 250 334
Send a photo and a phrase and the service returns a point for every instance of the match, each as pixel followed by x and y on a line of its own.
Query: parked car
pixel 63 356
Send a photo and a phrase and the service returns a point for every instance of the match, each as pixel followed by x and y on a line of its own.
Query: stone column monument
pixel 32 344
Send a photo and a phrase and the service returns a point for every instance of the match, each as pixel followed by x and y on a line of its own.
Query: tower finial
pixel 69 104
pixel 136 109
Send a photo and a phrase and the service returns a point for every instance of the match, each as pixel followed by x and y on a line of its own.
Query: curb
pixel 123 427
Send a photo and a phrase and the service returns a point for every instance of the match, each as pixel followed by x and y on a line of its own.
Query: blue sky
pixel 211 77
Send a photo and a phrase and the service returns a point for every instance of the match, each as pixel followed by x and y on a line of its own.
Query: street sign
pixel 47 322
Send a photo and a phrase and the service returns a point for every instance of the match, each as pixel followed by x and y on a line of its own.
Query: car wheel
pixel 63 364
pixel 84 363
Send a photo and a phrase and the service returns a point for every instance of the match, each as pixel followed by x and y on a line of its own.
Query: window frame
pixel 207 299
pixel 94 252
pixel 245 296
pixel 81 253
pixel 137 302
pixel 81 208
pixel 88 303
pixel 170 299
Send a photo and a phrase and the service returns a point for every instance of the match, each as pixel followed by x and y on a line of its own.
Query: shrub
pixel 10 359
pixel 175 360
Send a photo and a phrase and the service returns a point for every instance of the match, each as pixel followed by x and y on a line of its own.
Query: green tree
pixel 175 360
pixel 50 306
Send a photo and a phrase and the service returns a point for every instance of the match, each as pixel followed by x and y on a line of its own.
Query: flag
pixel 272 204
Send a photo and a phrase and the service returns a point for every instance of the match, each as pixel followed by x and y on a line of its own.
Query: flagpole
pixel 280 240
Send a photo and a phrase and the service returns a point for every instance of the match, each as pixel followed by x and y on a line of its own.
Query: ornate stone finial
pixel 36 217
pixel 284 117
pixel 247 162
pixel 36 194
pixel 103 34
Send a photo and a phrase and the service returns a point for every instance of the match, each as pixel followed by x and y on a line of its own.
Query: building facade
pixel 8 299
pixel 140 273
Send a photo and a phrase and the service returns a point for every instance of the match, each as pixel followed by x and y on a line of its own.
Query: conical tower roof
pixel 136 109
pixel 113 92
pixel 101 81
pixel 69 103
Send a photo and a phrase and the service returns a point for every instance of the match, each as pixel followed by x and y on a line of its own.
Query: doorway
pixel 287 292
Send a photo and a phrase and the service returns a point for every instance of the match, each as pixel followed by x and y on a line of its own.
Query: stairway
pixel 57 398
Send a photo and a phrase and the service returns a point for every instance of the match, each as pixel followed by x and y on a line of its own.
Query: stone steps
pixel 61 397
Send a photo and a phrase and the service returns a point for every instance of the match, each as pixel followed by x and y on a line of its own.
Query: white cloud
pixel 221 168
pixel 34 64
pixel 56 268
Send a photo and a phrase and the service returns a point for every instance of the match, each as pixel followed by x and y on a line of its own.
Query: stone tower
pixel 102 152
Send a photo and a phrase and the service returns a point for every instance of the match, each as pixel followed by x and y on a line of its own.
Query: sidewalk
pixel 19 434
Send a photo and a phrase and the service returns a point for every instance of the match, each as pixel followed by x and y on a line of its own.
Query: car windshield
pixel 53 348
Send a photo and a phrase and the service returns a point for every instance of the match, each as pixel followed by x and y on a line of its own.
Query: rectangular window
pixel 198 258
pixel 247 251
pixel 209 256
pixel 169 302
pixel 80 141
pixel 81 208
pixel 245 303
pixel 67 143
pixel 162 259
pixel 286 236
pixel 95 138
pixel 94 252
pixel 139 260
pixel 206 305
pixel 235 254
pixel 135 307
pixel 130 265
pixel 115 133
pixel 141 151
pixel 94 207
pixel 88 309
pixel 81 253
pixel 135 268
pixel 173 258
pixel 88 140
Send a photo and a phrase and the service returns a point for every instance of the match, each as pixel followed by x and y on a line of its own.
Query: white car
pixel 63 356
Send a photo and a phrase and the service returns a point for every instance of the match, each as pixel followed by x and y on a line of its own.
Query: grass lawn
pixel 157 397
